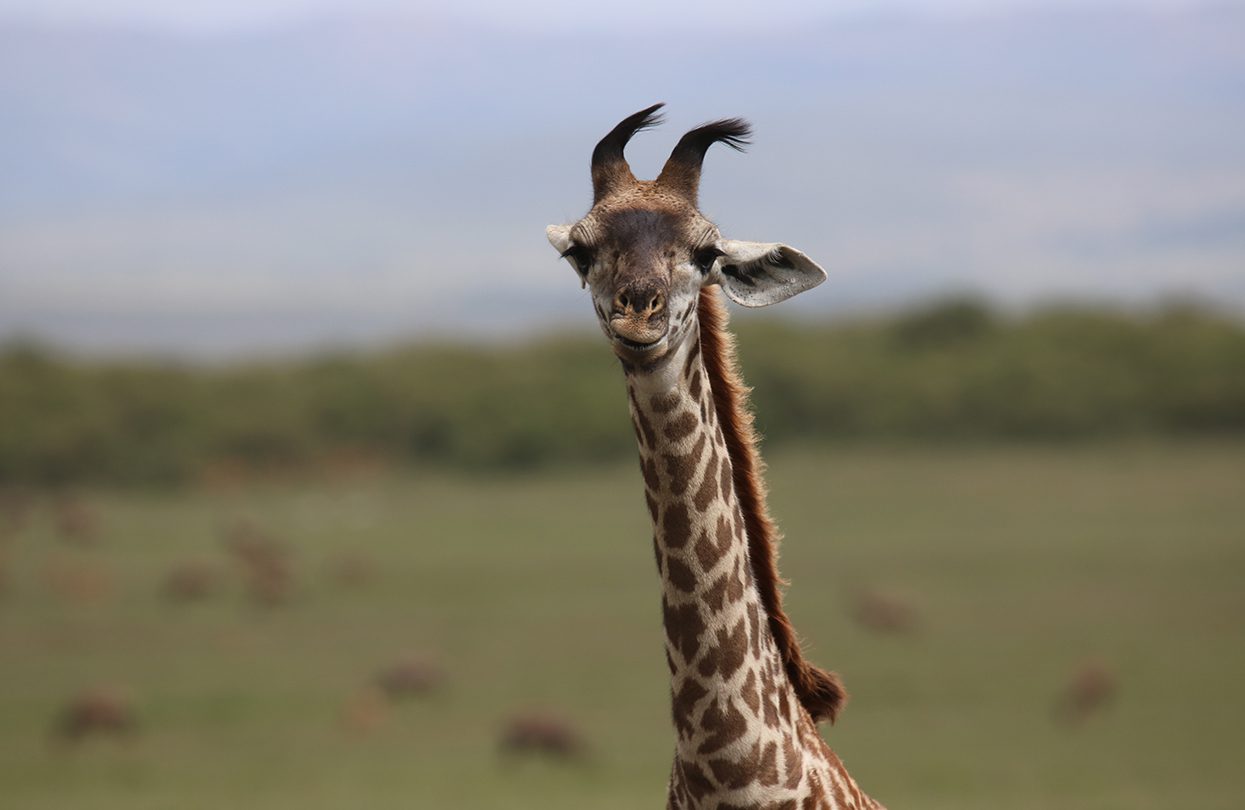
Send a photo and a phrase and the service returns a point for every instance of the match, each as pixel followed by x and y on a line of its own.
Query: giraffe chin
pixel 640 354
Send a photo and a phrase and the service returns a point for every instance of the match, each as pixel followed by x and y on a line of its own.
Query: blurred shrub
pixel 948 370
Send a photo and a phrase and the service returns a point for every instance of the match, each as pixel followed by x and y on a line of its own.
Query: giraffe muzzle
pixel 637 337
pixel 638 318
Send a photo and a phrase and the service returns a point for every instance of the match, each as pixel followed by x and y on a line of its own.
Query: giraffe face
pixel 644 257
pixel 645 250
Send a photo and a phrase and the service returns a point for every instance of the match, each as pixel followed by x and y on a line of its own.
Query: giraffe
pixel 744 701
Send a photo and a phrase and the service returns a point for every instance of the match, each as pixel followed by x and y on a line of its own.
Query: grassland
pixel 540 591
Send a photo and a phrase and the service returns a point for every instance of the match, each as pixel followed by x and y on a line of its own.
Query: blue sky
pixel 536 14
pixel 259 178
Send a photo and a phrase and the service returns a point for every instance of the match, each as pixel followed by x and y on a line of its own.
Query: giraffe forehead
pixel 641 220
pixel 642 230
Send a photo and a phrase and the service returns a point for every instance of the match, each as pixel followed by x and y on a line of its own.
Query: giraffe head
pixel 645 250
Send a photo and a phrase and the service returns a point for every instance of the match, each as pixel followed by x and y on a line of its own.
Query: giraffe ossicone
pixel 745 702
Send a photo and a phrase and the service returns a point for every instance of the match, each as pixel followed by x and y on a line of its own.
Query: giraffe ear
pixel 559 236
pixel 756 274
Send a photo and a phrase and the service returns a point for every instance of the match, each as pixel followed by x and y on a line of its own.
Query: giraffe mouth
pixel 638 337
pixel 638 347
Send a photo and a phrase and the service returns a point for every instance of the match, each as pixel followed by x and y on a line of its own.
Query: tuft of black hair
pixel 609 151
pixel 734 132
pixel 682 169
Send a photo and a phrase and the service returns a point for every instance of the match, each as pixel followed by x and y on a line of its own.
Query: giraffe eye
pixel 580 256
pixel 705 257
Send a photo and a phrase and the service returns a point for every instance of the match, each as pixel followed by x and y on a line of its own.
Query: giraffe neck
pixel 744 736
pixel 737 719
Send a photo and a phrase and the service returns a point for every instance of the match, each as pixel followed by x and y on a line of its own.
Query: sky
pixel 195 15
pixel 224 179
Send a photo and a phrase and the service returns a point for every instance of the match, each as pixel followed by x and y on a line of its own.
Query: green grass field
pixel 540 592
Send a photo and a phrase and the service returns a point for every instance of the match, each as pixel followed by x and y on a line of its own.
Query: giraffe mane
pixel 820 692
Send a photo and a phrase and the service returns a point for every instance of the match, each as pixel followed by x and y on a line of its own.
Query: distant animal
pixel 265 562
pixel 77 521
pixel 884 613
pixel 365 711
pixel 409 677
pixel 100 711
pixel 745 700
pixel 76 580
pixel 543 733
pixel 191 581
pixel 249 543
pixel 1088 691
pixel 352 570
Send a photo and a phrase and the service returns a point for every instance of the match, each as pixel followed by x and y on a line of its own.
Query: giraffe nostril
pixel 643 303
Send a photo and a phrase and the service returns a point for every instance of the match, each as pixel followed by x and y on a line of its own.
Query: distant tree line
pixel 950 370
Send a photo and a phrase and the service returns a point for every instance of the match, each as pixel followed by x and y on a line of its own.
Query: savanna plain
pixel 1017 566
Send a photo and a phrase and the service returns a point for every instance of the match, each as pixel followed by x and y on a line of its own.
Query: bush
pixel 947 370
